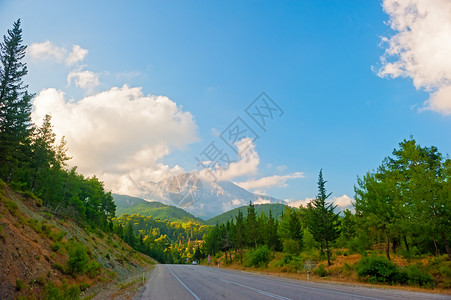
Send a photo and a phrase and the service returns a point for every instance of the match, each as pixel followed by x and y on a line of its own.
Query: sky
pixel 260 93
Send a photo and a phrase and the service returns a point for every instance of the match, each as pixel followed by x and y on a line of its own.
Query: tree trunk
pixel 34 180
pixel 10 175
pixel 328 254
pixel 445 241
pixel 437 252
pixel 241 255
pixel 407 244
pixel 387 249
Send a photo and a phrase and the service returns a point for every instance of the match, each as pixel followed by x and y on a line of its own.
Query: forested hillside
pixel 276 209
pixel 132 205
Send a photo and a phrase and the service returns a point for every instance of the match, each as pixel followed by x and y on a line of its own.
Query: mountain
pixel 133 205
pixel 204 199
pixel 276 210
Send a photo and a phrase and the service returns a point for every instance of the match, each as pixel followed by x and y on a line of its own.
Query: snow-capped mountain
pixel 202 198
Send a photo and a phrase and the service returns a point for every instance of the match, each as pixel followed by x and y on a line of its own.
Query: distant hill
pixel 202 198
pixel 133 205
pixel 276 210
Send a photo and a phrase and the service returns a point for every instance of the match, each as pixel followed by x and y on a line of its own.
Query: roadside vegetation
pixel 398 235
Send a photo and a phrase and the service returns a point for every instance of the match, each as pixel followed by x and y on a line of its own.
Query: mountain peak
pixel 202 198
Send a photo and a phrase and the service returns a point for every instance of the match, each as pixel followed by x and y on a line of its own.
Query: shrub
pixel 320 271
pixel 418 276
pixel 78 259
pixel 290 246
pixel 377 269
pixel 19 284
pixel 55 246
pixel 93 269
pixel 57 236
pixel 347 269
pixel 360 243
pixel 58 267
pixel 445 269
pixel 259 257
pixel 53 292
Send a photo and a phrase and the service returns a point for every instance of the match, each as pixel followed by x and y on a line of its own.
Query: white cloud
pixel 246 165
pixel 120 134
pixel 77 54
pixel 49 52
pixel 421 48
pixel 270 181
pixel 298 203
pixel 262 201
pixel 342 201
pixel 83 79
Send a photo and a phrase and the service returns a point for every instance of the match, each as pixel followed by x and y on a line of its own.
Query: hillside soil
pixel 35 245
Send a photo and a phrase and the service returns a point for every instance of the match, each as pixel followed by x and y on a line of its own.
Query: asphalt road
pixel 169 282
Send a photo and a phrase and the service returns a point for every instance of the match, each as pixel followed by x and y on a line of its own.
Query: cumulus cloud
pixel 298 203
pixel 342 201
pixel 50 52
pixel 121 135
pixel 270 181
pixel 83 79
pixel 77 54
pixel 246 165
pixel 421 47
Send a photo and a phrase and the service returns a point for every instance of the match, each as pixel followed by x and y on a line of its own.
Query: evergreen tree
pixel 322 221
pixel 42 146
pixel 15 103
pixel 251 226
pixel 272 239
pixel 239 234
pixel 295 228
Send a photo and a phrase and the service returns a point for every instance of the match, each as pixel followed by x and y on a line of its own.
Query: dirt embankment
pixel 35 247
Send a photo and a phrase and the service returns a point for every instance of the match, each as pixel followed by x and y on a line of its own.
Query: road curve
pixel 169 282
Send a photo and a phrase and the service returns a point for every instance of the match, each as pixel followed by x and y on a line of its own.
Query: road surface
pixel 169 282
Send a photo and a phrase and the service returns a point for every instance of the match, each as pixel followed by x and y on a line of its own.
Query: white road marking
pixel 297 285
pixel 323 290
pixel 187 288
pixel 257 290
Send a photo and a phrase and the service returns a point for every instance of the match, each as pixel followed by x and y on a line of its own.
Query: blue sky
pixel 318 60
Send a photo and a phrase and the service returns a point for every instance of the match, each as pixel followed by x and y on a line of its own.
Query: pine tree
pixel 15 102
pixel 42 147
pixel 322 221
pixel 272 239
pixel 251 226
pixel 239 234
pixel 295 228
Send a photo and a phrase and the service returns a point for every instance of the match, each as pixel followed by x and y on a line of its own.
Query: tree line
pixel 405 205
pixel 166 241
pixel 31 161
